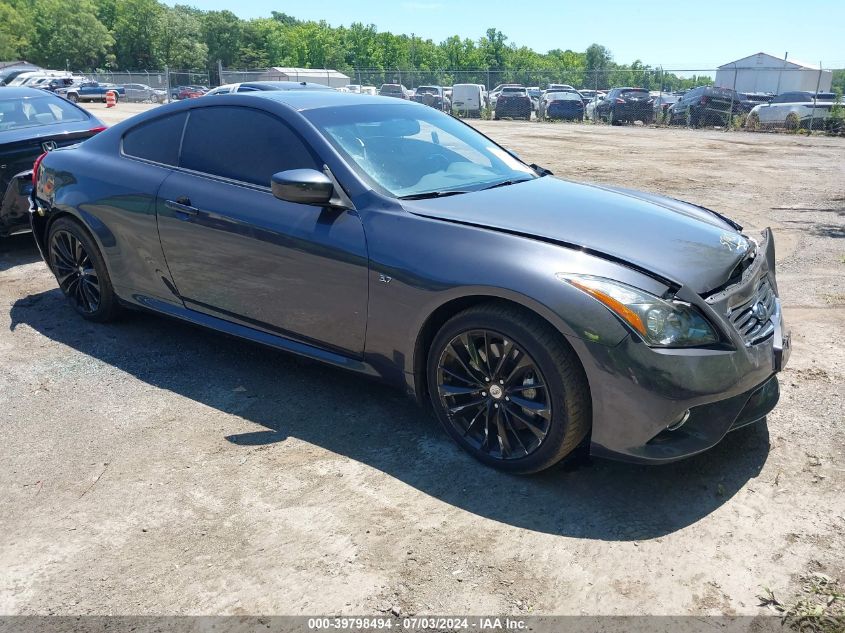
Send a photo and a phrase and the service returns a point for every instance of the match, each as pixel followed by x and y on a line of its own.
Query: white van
pixel 468 99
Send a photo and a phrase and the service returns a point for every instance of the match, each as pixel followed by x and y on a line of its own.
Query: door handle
pixel 181 205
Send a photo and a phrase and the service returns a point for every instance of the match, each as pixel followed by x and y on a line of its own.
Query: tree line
pixel 114 35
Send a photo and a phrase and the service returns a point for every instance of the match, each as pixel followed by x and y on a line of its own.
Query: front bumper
pixel 640 394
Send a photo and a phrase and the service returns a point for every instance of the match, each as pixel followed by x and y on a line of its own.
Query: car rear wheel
pixel 508 389
pixel 74 98
pixel 753 121
pixel 81 272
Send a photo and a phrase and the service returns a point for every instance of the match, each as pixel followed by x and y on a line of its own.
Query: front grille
pixel 753 318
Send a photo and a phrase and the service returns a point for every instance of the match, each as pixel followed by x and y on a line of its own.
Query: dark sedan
pixel 561 105
pixel 534 314
pixel 31 122
pixel 514 102
pixel 626 105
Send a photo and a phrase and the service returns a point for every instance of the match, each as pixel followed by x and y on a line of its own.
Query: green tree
pixel 68 34
pixel 493 49
pixel 597 62
pixel 15 33
pixel 136 27
pixel 179 41
pixel 838 81
pixel 107 12
pixel 222 33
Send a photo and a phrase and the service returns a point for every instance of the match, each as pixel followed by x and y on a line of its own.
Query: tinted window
pixel 792 97
pixel 241 144
pixel 157 140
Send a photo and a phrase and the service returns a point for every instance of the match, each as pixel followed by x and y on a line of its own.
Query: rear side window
pixel 157 140
pixel 792 97
pixel 241 144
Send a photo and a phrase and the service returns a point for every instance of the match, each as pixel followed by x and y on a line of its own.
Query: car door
pixel 238 253
pixel 774 111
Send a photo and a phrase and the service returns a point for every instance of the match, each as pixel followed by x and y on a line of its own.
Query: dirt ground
pixel 149 467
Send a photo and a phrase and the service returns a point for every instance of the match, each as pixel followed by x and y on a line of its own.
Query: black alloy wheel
pixel 494 393
pixel 508 388
pixel 80 271
pixel 75 272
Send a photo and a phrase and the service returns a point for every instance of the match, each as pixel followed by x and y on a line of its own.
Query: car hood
pixel 680 242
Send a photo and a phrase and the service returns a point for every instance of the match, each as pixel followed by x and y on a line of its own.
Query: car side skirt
pixel 255 335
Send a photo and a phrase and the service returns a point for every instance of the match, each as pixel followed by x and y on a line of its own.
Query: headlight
pixel 660 323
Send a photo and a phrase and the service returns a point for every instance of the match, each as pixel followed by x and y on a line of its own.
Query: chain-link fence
pixel 735 89
pixel 171 81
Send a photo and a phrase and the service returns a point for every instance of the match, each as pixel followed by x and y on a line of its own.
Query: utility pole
pixel 785 57
pixel 220 73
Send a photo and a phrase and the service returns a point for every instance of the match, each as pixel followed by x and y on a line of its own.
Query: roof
pixel 312 99
pixel 19 63
pixel 22 92
pixel 285 85
pixel 320 72
pixel 755 60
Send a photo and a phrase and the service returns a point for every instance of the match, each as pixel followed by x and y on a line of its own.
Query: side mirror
pixel 305 186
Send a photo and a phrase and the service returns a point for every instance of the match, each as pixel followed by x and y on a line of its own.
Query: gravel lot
pixel 149 467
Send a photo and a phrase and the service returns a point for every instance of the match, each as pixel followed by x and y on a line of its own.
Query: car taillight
pixel 35 167
pixel 98 129
pixel 620 100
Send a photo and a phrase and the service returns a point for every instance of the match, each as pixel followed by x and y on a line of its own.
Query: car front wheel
pixel 508 389
pixel 81 272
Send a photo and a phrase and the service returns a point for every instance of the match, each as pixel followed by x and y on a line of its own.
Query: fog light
pixel 680 422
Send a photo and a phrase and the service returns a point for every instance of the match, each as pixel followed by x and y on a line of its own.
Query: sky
pixel 686 35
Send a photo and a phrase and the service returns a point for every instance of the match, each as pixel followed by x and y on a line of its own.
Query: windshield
pixel 16 114
pixel 409 150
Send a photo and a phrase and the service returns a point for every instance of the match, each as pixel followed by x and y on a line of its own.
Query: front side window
pixel 156 140
pixel 242 144
pixel 406 150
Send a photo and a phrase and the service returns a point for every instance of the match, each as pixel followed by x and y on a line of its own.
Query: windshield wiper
pixel 505 183
pixel 431 194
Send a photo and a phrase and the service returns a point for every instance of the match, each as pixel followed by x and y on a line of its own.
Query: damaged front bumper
pixel 656 405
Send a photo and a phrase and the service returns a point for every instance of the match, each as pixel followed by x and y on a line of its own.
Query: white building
pixel 767 73
pixel 332 78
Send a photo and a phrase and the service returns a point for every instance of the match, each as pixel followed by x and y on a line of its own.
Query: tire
pixel 73 97
pixel 81 274
pixel 542 424
pixel 692 120
pixel 792 122
pixel 753 121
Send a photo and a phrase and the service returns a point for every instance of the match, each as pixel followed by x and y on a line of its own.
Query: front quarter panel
pixel 419 264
